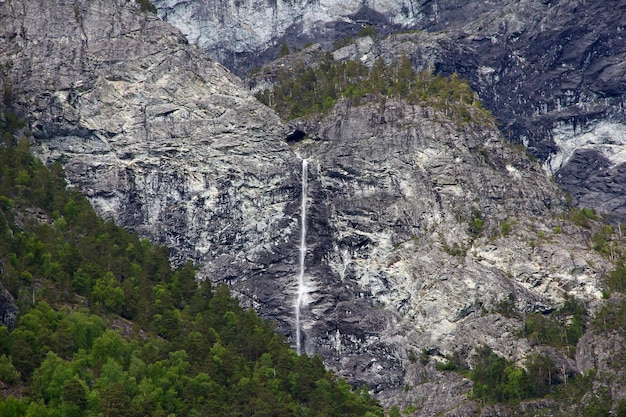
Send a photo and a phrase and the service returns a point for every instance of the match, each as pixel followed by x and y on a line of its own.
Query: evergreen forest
pixel 105 327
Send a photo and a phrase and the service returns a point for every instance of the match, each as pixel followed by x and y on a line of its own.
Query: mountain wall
pixel 406 249
pixel 552 72
pixel 245 33
pixel 393 191
pixel 236 32
pixel 160 138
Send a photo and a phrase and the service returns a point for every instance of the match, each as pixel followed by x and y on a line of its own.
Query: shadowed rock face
pixel 245 33
pixel 555 77
pixel 8 309
pixel 171 145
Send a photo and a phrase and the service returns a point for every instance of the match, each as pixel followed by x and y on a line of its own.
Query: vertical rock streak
pixel 301 290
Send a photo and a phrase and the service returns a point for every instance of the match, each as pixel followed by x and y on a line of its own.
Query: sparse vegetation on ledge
pixel 309 91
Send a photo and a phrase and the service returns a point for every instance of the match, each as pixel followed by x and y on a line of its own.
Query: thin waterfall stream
pixel 301 295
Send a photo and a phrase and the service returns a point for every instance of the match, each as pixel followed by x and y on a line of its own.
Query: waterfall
pixel 301 294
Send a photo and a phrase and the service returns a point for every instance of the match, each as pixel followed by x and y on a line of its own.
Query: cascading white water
pixel 302 290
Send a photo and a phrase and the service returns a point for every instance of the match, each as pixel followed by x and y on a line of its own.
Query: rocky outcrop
pixel 555 83
pixel 596 354
pixel 245 33
pixel 239 33
pixel 554 74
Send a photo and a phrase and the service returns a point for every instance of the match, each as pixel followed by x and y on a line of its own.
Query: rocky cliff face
pixel 394 189
pixel 171 145
pixel 246 33
pixel 237 33
pixel 552 72
pixel 160 138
